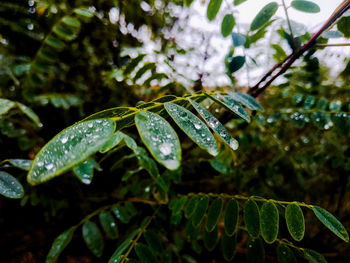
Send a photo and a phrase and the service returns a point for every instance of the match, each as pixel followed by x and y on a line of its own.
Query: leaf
pixel 269 222
pixel 143 70
pixel 133 64
pixel 214 213
pixel 331 222
pixel 228 244
pixel 191 206
pixel 227 25
pixel 71 22
pixel 238 39
pixel 84 12
pixel 235 63
pixel 122 214
pixel 116 257
pixel 85 171
pixel 238 2
pixel 153 241
pixel 108 224
pixel 344 26
pixel 178 204
pixel 193 127
pixel 211 238
pixel 255 251
pixel 231 217
pixel 113 141
pixel 235 107
pixel 313 256
pixel 69 148
pixel 305 6
pixel 145 254
pixel 20 163
pixel 6 105
pixel 200 210
pixel 264 16
pixel 285 254
pixel 295 221
pixel 93 238
pixel 160 139
pixel 60 243
pixel 215 125
pixel 54 42
pixel 64 33
pixel 213 9
pixel 246 100
pixel 9 186
pixel 252 218
pixel 192 231
pixel 188 2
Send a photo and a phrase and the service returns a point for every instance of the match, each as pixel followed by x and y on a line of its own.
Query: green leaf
pixel 344 26
pixel 153 241
pixel 200 210
pixel 69 148
pixel 228 244
pixel 305 6
pixel 231 217
pixel 132 64
pixel 227 25
pixel 235 63
pixel 255 251
pixel 60 243
pixel 93 238
pixel 238 39
pixel 122 214
pixel 191 206
pixel 83 12
pixel 178 204
pixel 192 231
pixel 264 16
pixel 20 163
pixel 6 105
pixel 113 141
pixel 145 254
pixel 193 127
pixel 9 186
pixel 71 21
pixel 285 254
pixel 54 42
pixel 215 125
pixel 269 222
pixel 143 70
pixel 331 222
pixel 64 33
pixel 213 9
pixel 108 224
pixel 214 213
pixel 313 256
pixel 116 257
pixel 85 171
pixel 295 221
pixel 211 238
pixel 235 107
pixel 188 2
pixel 238 2
pixel 251 216
pixel 246 100
pixel 160 139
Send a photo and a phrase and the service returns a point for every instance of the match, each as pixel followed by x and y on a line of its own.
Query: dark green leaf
pixel 192 231
pixel 313 256
pixel 231 217
pixel 188 2
pixel 344 26
pixel 122 214
pixel 54 42
pixel 191 206
pixel 145 254
pixel 133 63
pixel 228 244
pixel 217 127
pixel 59 245
pixel 252 218
pixel 305 6
pixel 9 186
pixel 71 22
pixel 153 241
pixel 295 221
pixel 200 210
pixel 285 254
pixel 69 148
pixel 108 224
pixel 116 257
pixel 210 238
pixel 113 141
pixel 213 9
pixel 246 100
pixel 235 107
pixel 255 251
pixel 235 63
pixel 193 127
pixel 85 171
pixel 83 12
pixel 214 213
pixel 93 238
pixel 264 16
pixel 20 163
pixel 178 204
pixel 238 2
pixel 64 32
pixel 227 25
pixel 143 70
pixel 269 222
pixel 331 222
pixel 238 39
pixel 160 139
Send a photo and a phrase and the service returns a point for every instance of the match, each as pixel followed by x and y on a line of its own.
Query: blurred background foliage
pixel 61 61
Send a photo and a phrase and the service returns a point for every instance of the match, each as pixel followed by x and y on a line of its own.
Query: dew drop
pixel 165 148
pixel 49 166
pixel 197 126
pixel 64 139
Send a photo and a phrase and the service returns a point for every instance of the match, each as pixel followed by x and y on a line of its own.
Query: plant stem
pixel 289 25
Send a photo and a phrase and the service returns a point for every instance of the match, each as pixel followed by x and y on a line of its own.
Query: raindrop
pixel 49 166
pixel 165 148
pixel 64 139
pixel 197 126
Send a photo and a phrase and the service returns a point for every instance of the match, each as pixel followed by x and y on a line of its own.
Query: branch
pixel 269 77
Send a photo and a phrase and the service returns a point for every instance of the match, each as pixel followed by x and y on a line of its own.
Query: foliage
pixel 187 173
